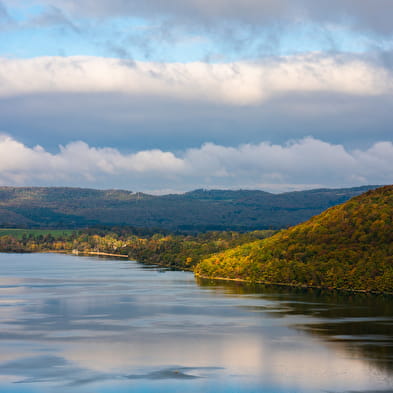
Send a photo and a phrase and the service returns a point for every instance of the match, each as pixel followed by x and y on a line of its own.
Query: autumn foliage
pixel 349 246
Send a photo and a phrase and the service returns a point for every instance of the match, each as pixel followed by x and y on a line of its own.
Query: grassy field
pixel 18 233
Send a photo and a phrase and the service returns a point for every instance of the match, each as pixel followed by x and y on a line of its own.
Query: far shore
pixel 107 254
pixel 77 252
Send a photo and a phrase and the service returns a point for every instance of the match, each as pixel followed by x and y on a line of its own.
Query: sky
pixel 170 96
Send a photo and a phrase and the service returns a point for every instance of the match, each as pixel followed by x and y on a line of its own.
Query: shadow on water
pixel 360 324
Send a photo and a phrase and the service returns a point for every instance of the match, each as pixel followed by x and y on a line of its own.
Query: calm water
pixel 76 324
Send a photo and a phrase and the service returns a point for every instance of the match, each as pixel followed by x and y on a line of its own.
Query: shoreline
pixel 299 286
pixel 76 252
pixel 196 275
pixel 106 254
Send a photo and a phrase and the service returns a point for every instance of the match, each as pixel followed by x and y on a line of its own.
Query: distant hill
pixel 195 211
pixel 349 246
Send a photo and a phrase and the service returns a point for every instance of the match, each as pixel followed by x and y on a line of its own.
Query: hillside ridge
pixel 194 211
pixel 349 246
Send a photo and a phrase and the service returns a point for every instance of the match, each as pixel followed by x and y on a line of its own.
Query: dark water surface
pixel 78 324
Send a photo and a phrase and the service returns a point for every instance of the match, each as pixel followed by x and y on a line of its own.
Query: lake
pixel 92 325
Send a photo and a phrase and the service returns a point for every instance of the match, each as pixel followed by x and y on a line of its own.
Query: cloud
pixel 4 15
pixel 306 163
pixel 77 159
pixel 225 29
pixel 145 105
pixel 52 16
pixel 360 14
pixel 240 83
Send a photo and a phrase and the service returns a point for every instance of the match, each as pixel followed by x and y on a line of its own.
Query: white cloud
pixel 77 161
pixel 297 164
pixel 242 83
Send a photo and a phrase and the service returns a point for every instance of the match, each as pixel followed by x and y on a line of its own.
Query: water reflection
pixel 78 325
pixel 361 324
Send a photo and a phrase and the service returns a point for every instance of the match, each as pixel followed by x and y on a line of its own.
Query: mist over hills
pixel 194 211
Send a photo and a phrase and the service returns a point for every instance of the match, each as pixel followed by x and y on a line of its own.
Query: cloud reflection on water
pixel 110 326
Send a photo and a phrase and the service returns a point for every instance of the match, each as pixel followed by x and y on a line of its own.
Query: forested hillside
pixel 196 211
pixel 167 250
pixel 349 246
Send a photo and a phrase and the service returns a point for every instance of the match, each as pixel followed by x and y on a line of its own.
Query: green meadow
pixel 19 233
